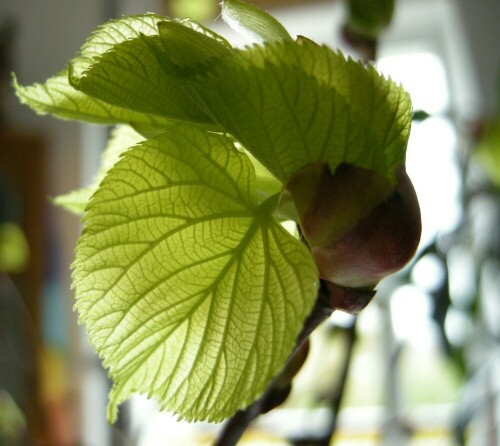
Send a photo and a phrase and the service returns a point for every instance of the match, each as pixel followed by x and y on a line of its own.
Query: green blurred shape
pixel 420 115
pixel 14 250
pixel 488 150
pixel 369 17
pixel 197 9
pixel 12 421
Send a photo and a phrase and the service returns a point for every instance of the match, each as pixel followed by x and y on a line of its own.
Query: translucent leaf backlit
pixel 190 291
pixel 294 103
pixel 58 98
pixel 253 23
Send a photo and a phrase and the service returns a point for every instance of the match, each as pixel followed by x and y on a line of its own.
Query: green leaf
pixel 111 33
pixel 187 47
pixel 57 97
pixel 122 138
pixel 74 201
pixel 196 26
pixel 368 17
pixel 266 183
pixel 295 103
pixel 136 75
pixel 125 64
pixel 253 23
pixel 127 28
pixel 191 292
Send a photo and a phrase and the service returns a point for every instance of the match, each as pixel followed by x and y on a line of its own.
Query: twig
pixel 330 297
pixel 338 394
pixel 237 425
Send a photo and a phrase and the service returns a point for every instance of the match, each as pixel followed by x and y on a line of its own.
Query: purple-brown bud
pixel 359 227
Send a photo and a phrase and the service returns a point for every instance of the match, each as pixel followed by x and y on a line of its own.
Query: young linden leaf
pixel 295 103
pixel 187 47
pixel 135 74
pixel 253 23
pixel 122 138
pixel 196 26
pixel 57 97
pixel 60 99
pixel 190 291
pixel 111 33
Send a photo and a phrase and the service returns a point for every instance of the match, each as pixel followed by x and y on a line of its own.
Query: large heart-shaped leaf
pixel 190 290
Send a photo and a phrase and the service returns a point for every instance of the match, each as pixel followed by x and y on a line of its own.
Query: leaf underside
pixel 190 291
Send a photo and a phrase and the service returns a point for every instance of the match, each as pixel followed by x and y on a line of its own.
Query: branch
pixel 338 394
pixel 330 297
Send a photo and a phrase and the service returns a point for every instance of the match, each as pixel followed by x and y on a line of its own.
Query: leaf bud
pixel 359 226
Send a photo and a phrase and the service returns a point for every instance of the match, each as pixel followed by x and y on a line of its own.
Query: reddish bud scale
pixel 359 229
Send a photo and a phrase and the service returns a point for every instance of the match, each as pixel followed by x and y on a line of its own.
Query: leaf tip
pixel 252 23
pixel 112 412
pixel 115 398
pixel 19 90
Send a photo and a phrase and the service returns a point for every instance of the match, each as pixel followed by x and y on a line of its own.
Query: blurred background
pixel 419 366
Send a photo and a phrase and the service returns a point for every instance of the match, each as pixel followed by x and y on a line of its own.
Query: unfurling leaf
pixel 111 34
pixel 132 75
pixel 190 291
pixel 187 47
pixel 252 22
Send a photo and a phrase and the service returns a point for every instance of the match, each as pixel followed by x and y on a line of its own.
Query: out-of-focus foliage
pixel 488 150
pixel 14 250
pixel 369 17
